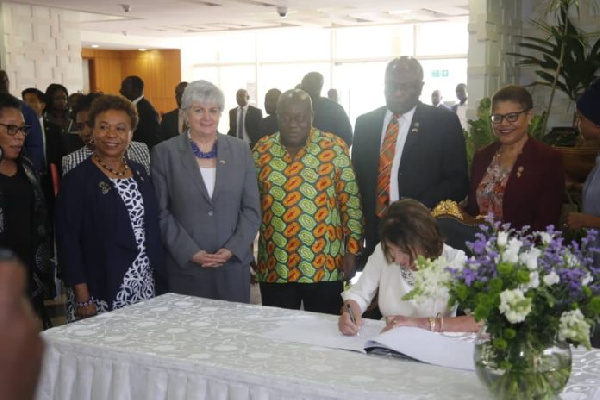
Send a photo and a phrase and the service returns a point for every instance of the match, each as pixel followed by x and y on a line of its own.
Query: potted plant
pixel 533 293
pixel 565 61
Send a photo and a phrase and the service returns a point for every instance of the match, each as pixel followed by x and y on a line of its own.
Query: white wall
pixel 351 60
pixel 40 45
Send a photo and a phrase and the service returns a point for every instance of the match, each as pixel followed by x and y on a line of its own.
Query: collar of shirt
pixel 245 108
pixel 138 99
pixel 405 118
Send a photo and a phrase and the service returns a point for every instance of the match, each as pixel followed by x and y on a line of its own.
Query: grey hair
pixel 202 92
pixel 294 94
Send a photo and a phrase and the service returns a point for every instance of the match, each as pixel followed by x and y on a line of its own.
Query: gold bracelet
pixel 432 324
pixel 441 318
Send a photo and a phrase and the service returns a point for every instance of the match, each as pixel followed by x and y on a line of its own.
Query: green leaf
pixel 510 333
pixel 505 268
pixel 499 343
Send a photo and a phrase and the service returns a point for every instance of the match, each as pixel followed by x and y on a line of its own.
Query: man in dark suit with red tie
pixel 406 149
pixel 244 120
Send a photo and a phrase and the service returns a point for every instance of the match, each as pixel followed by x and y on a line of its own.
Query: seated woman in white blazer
pixel 209 209
pixel 407 230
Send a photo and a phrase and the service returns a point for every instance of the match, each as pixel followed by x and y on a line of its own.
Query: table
pixel 182 348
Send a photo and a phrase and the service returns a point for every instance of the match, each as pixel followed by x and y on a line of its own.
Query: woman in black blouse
pixel 23 218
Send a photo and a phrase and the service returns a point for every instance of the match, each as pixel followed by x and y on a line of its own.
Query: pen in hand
pixel 352 317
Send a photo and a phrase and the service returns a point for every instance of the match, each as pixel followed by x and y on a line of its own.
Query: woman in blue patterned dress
pixel 108 236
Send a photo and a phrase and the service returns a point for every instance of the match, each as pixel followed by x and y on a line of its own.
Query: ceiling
pixel 177 18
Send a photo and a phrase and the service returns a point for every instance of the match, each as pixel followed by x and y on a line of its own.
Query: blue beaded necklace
pixel 200 154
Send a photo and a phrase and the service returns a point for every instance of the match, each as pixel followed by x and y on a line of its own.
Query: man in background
pixel 329 115
pixel 147 130
pixel 269 124
pixel 332 94
pixel 173 123
pixel 244 120
pixel 461 107
pixel 436 100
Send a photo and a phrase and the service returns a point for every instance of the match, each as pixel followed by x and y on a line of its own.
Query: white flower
pixel 534 280
pixel 511 254
pixel 546 237
pixel 502 238
pixel 530 257
pixel 551 279
pixel 431 280
pixel 571 260
pixel 588 278
pixel 574 326
pixel 514 305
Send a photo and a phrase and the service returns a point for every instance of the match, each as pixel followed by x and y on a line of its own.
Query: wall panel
pixel 159 69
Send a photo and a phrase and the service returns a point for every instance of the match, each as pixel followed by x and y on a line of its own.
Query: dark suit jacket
pixel 268 126
pixel 251 122
pixel 148 129
pixel 55 150
pixel 94 233
pixel 433 166
pixel 34 141
pixel 331 117
pixel 55 144
pixel 169 125
pixel 535 197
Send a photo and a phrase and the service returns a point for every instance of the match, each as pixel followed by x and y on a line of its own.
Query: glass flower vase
pixel 526 369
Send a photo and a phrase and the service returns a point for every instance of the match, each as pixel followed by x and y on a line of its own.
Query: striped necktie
pixel 386 159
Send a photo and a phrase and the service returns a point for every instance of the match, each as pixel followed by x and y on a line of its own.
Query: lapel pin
pixel 222 161
pixel 520 171
pixel 104 187
pixel 415 128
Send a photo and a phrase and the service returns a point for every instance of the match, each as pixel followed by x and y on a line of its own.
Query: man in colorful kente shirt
pixel 311 223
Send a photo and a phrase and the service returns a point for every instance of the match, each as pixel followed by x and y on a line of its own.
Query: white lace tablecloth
pixel 182 348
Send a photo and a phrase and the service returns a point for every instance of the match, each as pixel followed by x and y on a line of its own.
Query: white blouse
pixel 209 176
pixel 392 281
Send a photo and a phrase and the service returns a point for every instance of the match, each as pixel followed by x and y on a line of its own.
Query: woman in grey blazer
pixel 208 202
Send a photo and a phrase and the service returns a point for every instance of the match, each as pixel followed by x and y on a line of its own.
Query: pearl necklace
pixel 111 170
pixel 200 154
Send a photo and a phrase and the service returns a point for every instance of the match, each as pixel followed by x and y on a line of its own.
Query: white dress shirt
pixel 209 176
pixel 392 284
pixel 404 122
pixel 461 113
pixel 246 138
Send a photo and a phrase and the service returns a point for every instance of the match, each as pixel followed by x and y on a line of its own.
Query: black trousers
pixel 324 297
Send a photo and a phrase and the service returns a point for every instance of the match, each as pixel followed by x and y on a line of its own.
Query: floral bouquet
pixel 533 294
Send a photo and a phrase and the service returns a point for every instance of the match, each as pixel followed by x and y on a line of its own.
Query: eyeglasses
pixel 509 117
pixel 13 129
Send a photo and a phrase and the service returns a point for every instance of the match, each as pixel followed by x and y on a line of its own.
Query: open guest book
pixel 447 349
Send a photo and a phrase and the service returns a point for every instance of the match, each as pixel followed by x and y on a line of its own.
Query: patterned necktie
pixel 240 124
pixel 386 159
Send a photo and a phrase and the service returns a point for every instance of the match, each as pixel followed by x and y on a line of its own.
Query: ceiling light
pixel 142 49
pixel 95 46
